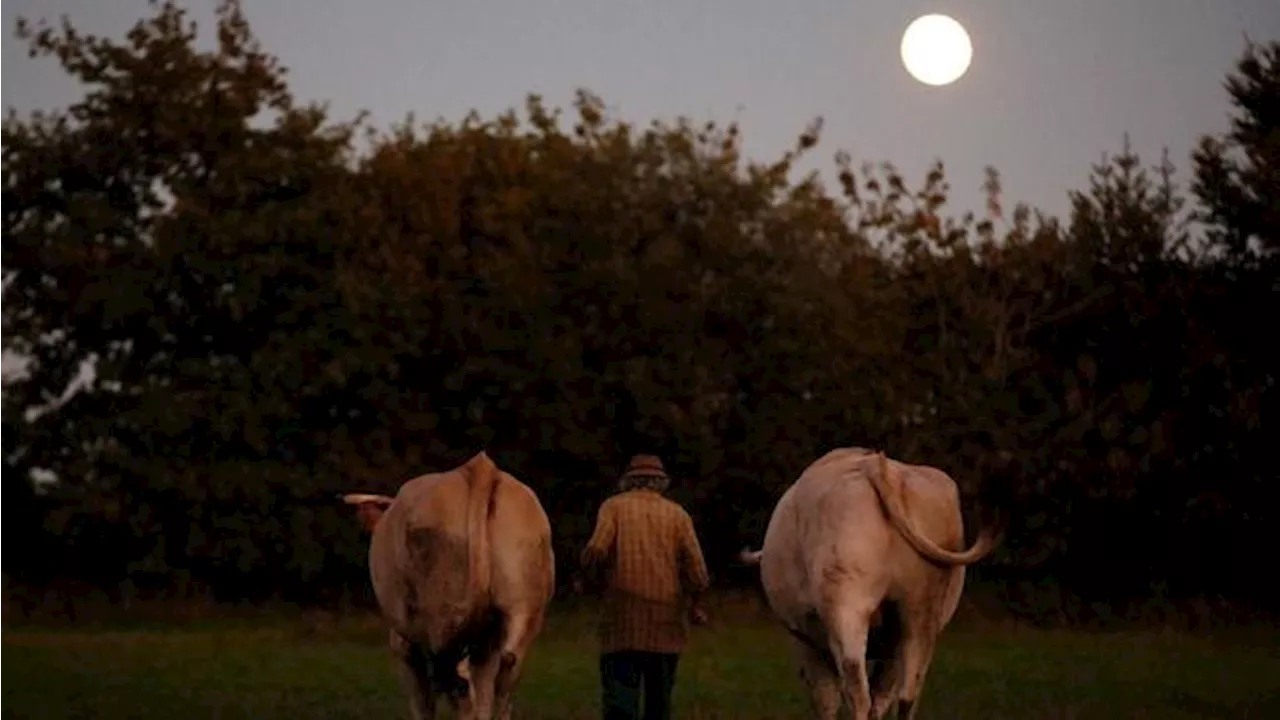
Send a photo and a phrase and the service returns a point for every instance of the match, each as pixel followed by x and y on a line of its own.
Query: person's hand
pixel 698 615
pixel 579 586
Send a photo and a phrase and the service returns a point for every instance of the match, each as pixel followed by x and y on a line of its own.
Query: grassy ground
pixel 740 667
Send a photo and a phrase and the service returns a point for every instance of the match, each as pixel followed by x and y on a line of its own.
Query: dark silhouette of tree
pixel 149 232
pixel 1236 292
pixel 275 313
pixel 1237 175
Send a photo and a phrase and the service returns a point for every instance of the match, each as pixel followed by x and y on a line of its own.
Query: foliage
pixel 276 312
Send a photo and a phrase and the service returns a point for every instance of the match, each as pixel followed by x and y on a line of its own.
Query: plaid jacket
pixel 649 552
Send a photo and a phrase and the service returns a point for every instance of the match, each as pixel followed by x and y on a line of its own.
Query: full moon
pixel 936 49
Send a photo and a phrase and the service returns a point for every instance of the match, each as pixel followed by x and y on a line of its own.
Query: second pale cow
pixel 861 562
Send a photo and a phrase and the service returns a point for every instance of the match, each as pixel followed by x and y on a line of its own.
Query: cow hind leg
pixel 508 675
pixel 481 662
pixel 849 629
pixel 520 630
pixel 414 669
pixel 492 681
pixel 884 651
pixel 482 677
pixel 822 679
pixel 917 654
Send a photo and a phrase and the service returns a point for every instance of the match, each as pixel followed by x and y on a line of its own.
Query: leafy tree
pixel 276 314
pixel 150 232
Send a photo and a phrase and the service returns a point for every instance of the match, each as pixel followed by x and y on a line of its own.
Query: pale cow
pixel 860 562
pixel 463 570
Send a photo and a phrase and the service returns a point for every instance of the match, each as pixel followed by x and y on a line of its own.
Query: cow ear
pixel 369 508
pixel 369 514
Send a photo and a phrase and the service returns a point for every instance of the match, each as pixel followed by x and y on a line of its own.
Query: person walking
pixel 654 577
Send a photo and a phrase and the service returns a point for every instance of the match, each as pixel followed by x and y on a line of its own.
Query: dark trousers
pixel 626 675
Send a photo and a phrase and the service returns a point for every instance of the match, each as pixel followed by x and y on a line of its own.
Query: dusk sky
pixel 1053 84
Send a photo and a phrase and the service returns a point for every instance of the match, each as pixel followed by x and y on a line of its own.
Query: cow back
pixel 523 563
pixel 420 558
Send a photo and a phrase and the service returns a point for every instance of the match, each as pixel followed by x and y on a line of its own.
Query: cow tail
pixel 482 484
pixel 987 539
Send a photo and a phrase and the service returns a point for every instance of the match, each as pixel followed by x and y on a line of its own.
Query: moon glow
pixel 936 49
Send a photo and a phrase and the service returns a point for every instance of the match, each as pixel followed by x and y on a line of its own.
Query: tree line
pixel 279 307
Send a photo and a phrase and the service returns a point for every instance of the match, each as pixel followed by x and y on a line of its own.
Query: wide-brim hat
pixel 645 466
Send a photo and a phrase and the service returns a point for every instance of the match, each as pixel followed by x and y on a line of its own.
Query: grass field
pixel 739 667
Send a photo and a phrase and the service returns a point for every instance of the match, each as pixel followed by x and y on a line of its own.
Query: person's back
pixel 654 575
pixel 650 545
